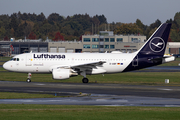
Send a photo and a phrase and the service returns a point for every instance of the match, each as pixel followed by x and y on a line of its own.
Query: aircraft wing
pixel 88 65
pixel 79 66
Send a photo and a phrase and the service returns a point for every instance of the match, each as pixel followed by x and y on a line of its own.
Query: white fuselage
pixel 42 63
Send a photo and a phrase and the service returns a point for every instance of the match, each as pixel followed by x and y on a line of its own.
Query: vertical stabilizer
pixel 156 44
pixel 152 52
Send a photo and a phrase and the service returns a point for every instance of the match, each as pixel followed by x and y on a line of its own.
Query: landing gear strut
pixel 85 80
pixel 28 78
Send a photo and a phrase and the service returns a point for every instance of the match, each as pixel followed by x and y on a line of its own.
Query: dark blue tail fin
pixel 152 52
pixel 156 44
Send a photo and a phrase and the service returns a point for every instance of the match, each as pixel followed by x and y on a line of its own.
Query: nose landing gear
pixel 28 78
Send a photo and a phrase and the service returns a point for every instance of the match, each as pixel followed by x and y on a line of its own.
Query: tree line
pixel 56 27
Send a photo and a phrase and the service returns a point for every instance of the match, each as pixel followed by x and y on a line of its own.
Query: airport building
pixel 8 48
pixel 105 41
pixel 173 47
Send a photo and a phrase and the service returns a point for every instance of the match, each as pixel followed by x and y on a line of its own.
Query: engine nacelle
pixel 60 74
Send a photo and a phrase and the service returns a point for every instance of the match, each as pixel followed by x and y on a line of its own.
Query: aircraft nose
pixel 5 66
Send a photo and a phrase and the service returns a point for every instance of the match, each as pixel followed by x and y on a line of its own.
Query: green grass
pixel 122 78
pixel 2 59
pixel 64 112
pixel 12 95
pixel 173 63
pixel 2 69
pixel 5 58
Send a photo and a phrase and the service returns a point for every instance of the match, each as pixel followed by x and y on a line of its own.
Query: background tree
pixel 177 19
pixel 6 38
pixel 19 25
pixel 175 29
pixel 127 29
pixel 13 23
pixel 54 17
pixel 58 37
pixel 32 36
pixel 2 33
pixel 41 17
pixel 102 19
pixel 27 29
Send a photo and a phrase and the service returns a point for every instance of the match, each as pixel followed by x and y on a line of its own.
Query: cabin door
pixel 28 59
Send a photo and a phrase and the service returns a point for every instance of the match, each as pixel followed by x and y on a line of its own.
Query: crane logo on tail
pixel 157 44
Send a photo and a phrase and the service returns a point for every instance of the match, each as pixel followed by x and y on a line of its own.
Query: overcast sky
pixel 125 11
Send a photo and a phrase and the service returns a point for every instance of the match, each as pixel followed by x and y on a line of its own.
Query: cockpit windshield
pixel 14 59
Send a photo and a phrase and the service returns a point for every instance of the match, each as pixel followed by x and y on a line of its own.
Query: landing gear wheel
pixel 28 80
pixel 85 80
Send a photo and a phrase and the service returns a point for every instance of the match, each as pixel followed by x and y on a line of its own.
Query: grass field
pixel 12 95
pixel 2 59
pixel 63 112
pixel 149 78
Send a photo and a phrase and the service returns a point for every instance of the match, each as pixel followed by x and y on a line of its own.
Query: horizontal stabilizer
pixel 164 59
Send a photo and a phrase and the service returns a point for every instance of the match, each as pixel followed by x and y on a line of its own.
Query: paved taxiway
pixel 95 94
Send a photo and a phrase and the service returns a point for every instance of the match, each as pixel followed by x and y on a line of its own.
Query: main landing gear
pixel 85 80
pixel 28 78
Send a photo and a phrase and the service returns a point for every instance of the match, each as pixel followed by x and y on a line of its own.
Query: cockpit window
pixel 14 59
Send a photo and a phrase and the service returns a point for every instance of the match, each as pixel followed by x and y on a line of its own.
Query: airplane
pixel 65 65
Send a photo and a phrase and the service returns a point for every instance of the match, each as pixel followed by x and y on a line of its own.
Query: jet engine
pixel 60 74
